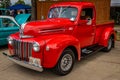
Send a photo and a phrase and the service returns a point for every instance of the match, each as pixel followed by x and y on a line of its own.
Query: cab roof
pixel 77 4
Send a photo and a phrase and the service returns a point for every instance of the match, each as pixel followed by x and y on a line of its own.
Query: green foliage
pixel 20 2
pixel 5 3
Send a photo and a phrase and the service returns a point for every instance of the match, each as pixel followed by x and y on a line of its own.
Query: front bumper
pixel 25 64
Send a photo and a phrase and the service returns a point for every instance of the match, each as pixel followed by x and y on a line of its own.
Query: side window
pixel 1 23
pixel 86 13
pixel 8 23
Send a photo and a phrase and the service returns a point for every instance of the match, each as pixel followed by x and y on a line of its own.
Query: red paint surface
pixel 62 33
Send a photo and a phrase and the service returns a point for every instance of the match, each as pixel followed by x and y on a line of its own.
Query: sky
pixel 26 1
pixel 115 1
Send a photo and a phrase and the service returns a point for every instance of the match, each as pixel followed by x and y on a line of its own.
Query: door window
pixel 7 23
pixel 86 13
pixel 1 23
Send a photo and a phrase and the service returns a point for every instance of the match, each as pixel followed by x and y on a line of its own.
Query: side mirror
pixel 72 19
pixel 89 21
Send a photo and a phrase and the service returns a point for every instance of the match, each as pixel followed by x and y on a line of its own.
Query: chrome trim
pixel 18 53
pixel 27 65
pixel 24 63
pixel 30 49
pixel 26 36
pixel 52 30
pixel 21 30
pixel 22 49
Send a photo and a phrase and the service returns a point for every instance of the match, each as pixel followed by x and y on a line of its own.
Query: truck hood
pixel 49 26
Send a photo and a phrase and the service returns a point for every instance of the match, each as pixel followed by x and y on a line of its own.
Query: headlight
pixel 10 40
pixel 36 47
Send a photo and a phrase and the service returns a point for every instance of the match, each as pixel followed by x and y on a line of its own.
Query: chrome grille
pixel 22 50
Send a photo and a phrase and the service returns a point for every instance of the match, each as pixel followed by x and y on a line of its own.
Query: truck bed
pixel 98 23
pixel 100 27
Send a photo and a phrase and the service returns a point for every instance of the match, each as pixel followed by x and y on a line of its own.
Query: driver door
pixel 86 27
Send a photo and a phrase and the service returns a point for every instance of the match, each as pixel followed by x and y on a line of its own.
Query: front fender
pixel 55 47
pixel 106 35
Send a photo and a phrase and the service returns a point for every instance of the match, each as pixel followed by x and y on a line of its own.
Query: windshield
pixel 63 12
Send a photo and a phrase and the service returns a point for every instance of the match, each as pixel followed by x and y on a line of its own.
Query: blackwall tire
pixel 109 46
pixel 65 63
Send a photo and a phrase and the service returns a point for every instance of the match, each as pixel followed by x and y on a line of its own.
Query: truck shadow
pixel 92 57
pixel 3 47
pixel 48 74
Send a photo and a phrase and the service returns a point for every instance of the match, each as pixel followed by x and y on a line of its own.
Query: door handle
pixel 93 34
pixel 93 25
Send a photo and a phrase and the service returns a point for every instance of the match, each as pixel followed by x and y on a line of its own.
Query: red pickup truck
pixel 70 32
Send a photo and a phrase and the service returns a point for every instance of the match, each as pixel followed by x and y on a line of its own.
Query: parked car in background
pixel 4 11
pixel 10 25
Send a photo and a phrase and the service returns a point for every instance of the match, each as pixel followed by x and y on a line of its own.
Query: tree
pixel 20 2
pixel 5 3
pixel 33 17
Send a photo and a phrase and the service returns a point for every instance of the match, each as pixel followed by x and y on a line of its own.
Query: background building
pixel 103 8
pixel 115 11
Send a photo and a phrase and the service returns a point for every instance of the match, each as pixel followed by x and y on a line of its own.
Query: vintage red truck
pixel 69 33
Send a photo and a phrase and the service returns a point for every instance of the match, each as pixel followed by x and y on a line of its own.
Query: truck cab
pixel 83 16
pixel 70 32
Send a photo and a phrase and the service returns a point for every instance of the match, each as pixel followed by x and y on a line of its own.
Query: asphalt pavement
pixel 100 66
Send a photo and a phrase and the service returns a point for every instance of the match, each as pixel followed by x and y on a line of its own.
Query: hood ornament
pixel 21 31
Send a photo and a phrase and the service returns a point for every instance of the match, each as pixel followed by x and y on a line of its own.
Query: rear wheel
pixel 65 63
pixel 109 46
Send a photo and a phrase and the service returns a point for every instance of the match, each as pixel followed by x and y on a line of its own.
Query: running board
pixel 89 51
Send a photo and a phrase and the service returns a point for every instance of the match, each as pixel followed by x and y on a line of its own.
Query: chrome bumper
pixel 25 64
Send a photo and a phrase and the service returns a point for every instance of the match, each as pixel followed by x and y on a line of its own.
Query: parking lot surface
pixel 100 66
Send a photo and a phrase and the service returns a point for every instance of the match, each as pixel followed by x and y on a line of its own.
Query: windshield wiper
pixel 62 11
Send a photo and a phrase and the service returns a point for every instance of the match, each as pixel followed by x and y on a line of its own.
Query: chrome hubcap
pixel 66 62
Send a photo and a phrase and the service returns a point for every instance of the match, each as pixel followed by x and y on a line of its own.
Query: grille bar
pixel 22 50
pixel 30 49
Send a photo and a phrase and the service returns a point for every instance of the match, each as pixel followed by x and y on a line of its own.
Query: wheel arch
pixel 57 46
pixel 74 50
pixel 108 32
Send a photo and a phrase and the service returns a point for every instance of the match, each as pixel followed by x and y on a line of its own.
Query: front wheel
pixel 109 46
pixel 65 63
